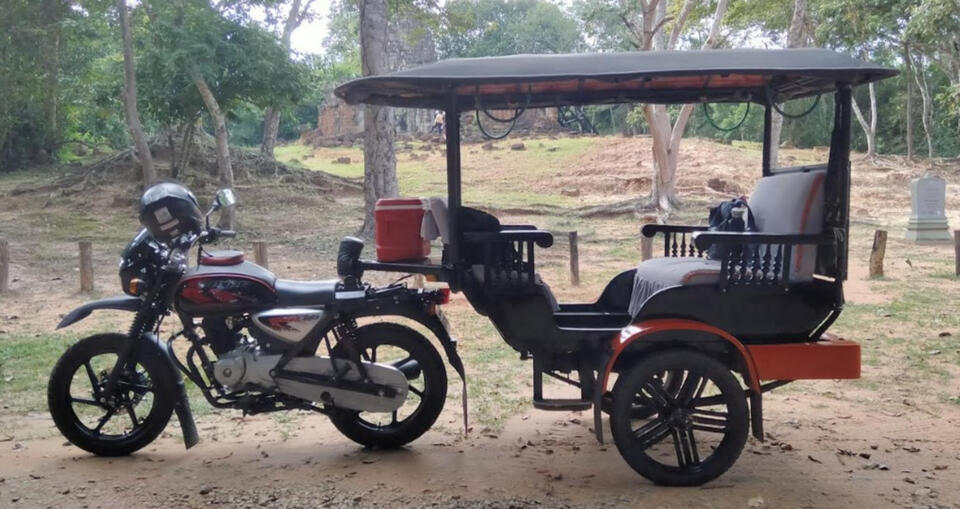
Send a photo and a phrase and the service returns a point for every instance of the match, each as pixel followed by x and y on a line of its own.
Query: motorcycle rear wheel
pixel 143 405
pixel 429 386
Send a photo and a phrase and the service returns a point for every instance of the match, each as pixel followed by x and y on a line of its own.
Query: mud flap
pixel 181 406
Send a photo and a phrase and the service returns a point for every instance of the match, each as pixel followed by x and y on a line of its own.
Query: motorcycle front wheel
pixel 394 344
pixel 138 413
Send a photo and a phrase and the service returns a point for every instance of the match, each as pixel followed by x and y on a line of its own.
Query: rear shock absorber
pixel 346 334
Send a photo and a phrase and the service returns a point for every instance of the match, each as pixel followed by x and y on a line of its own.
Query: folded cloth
pixel 428 227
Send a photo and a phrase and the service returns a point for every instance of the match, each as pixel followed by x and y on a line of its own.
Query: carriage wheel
pixel 696 433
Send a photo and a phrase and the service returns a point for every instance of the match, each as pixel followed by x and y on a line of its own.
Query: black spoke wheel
pixel 134 417
pixel 410 352
pixel 699 423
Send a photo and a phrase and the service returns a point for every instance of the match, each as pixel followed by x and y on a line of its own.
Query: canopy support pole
pixel 842 161
pixel 767 126
pixel 452 122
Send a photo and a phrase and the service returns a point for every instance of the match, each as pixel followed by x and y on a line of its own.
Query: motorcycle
pixel 249 341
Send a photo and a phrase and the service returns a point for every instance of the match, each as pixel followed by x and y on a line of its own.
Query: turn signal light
pixel 135 287
pixel 431 277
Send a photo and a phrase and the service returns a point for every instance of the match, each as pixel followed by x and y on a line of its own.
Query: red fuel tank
pixel 207 290
pixel 398 230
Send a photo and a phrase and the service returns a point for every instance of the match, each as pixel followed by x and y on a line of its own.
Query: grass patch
pixel 26 361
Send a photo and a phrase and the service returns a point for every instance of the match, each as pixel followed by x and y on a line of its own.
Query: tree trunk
pixel 51 66
pixel 130 98
pixel 379 160
pixel 920 76
pixel 271 120
pixel 271 126
pixel 869 128
pixel 909 120
pixel 225 169
pixel 664 135
pixel 794 40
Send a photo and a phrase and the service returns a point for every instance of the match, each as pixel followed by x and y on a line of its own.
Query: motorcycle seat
pixel 305 293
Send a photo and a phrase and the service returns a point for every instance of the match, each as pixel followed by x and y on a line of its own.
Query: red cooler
pixel 398 230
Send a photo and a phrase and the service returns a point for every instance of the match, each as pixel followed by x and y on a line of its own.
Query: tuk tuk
pixel 692 338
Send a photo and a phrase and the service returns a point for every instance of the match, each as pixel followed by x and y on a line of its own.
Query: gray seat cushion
pixel 659 273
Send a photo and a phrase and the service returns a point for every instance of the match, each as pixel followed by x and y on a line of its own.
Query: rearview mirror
pixel 225 199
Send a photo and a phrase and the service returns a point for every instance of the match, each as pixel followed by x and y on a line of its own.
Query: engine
pixel 247 369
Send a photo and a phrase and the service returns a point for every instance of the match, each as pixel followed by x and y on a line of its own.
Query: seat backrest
pixel 791 203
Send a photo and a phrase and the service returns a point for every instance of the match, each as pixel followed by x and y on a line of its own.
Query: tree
pixel 379 159
pixel 871 29
pixel 130 97
pixel 648 28
pixel 299 11
pixel 206 57
pixel 795 39
pixel 475 28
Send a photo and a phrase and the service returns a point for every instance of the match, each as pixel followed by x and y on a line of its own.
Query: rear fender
pixel 118 302
pixel 150 344
pixel 646 331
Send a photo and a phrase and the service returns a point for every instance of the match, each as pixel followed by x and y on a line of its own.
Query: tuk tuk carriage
pixel 692 338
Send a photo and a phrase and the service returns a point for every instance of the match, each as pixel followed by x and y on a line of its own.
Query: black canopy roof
pixel 729 75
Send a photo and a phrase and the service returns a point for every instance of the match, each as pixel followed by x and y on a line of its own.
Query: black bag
pixel 727 217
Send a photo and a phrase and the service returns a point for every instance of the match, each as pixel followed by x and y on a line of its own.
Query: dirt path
pixel 814 457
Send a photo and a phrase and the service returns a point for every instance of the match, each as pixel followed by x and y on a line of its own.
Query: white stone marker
pixel 928 218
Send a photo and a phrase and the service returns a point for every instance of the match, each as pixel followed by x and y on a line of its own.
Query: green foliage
pixel 242 63
pixel 500 27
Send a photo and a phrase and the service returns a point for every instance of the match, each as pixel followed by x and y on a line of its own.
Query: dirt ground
pixel 891 439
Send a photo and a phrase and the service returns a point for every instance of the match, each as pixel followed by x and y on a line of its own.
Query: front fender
pixel 118 302
pixel 150 344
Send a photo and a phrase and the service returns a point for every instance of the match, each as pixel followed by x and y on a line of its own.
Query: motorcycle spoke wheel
pixel 410 352
pixel 132 418
pixel 393 355
pixel 134 394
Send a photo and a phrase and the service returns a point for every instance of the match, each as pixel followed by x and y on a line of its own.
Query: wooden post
pixel 86 266
pixel 260 253
pixel 574 260
pixel 876 253
pixel 646 247
pixel 956 250
pixel 4 265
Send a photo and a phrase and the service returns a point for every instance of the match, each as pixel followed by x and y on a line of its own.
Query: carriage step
pixel 562 404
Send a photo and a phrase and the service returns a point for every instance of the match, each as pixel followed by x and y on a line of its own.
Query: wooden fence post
pixel 260 253
pixel 956 250
pixel 574 260
pixel 4 265
pixel 877 252
pixel 646 247
pixel 86 266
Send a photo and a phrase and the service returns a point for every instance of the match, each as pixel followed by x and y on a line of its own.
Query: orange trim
pixel 806 214
pixel 702 272
pixel 593 84
pixel 820 360
pixel 638 330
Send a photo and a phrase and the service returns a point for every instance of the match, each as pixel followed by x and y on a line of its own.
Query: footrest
pixel 562 404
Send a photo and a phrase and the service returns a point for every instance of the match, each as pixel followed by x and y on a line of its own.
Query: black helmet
pixel 169 210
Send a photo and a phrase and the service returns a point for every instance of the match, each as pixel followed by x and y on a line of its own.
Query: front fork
pixel 143 341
